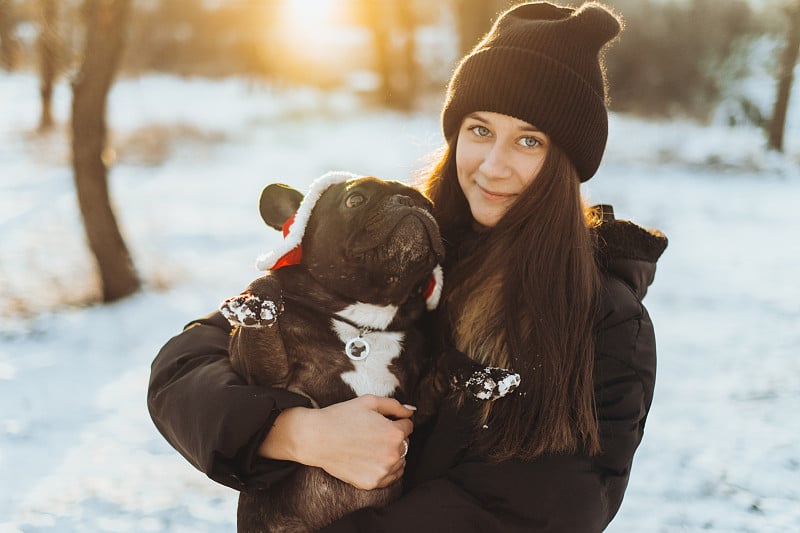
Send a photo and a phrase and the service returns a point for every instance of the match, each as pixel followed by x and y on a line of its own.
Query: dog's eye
pixel 354 200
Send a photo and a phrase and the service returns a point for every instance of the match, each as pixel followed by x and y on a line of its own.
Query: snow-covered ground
pixel 77 449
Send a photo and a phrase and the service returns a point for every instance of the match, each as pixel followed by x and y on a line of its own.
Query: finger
pixel 405 425
pixel 398 469
pixel 394 475
pixel 391 407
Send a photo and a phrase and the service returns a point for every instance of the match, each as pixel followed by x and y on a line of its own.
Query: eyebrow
pixel 528 128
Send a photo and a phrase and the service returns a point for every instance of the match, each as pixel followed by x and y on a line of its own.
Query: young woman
pixel 534 282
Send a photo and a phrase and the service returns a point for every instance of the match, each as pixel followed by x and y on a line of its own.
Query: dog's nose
pixel 400 199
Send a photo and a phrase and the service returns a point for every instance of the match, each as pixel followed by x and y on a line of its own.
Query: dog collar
pixel 356 348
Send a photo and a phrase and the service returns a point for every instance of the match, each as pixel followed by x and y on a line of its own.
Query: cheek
pixel 468 159
pixel 529 169
pixel 461 163
pixel 460 153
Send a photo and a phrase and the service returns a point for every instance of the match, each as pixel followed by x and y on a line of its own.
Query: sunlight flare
pixel 307 25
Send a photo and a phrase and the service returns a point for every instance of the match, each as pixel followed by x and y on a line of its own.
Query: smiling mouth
pixel 494 195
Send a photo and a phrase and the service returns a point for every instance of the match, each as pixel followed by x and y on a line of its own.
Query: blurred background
pixel 676 57
pixel 136 135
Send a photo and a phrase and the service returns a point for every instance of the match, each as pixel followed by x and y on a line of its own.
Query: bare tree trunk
pixel 786 77
pixel 48 45
pixel 406 82
pixel 9 46
pixel 105 24
pixel 392 22
pixel 381 34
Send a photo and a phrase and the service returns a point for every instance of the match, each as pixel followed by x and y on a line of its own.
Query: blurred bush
pixel 678 57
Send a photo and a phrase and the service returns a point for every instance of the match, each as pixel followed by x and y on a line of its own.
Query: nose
pixel 401 199
pixel 495 162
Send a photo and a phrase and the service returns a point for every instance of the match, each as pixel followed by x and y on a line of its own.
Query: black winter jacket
pixel 217 421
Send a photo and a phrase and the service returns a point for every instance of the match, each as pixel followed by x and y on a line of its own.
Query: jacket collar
pixel 628 251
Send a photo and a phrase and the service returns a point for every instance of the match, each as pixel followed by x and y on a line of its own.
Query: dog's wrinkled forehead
pixel 367 193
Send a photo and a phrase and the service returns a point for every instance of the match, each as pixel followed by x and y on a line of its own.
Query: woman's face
pixel 497 157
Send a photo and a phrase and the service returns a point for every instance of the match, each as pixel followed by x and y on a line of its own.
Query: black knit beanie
pixel 541 63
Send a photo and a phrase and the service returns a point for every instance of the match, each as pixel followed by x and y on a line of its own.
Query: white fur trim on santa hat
pixel 298 228
pixel 432 299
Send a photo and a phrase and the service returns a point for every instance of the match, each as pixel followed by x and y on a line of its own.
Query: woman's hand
pixel 353 440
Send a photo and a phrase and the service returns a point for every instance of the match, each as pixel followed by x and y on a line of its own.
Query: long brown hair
pixel 525 300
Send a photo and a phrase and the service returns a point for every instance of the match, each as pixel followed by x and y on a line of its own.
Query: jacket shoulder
pixel 617 303
pixel 624 332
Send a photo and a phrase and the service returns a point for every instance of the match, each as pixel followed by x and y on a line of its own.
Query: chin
pixel 485 219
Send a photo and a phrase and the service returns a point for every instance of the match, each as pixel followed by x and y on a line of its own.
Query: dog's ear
pixel 278 202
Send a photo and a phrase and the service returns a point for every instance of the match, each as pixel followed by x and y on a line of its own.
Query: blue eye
pixel 529 142
pixel 480 131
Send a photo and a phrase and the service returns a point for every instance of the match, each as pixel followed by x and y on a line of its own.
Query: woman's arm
pixel 353 440
pixel 229 430
pixel 208 413
pixel 625 373
pixel 555 493
pixel 551 494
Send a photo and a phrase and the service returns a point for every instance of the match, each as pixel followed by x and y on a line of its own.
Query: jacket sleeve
pixel 551 494
pixel 554 493
pixel 625 373
pixel 209 413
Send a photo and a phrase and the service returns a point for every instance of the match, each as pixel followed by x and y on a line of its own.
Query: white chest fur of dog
pixel 371 374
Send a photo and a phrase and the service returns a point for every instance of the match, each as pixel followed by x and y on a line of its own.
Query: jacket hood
pixel 628 251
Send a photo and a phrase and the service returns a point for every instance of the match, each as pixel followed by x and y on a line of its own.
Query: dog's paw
pixel 248 310
pixel 491 383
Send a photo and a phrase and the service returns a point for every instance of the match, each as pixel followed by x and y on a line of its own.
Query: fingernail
pixel 411 407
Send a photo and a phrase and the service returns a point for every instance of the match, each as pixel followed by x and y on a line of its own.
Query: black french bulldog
pixel 335 318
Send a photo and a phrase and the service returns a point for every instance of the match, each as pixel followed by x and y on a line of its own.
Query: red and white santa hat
pixel 289 252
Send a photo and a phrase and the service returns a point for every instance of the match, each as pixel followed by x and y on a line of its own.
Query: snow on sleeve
pixel 491 383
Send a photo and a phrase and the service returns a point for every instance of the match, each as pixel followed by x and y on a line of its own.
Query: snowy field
pixel 78 451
